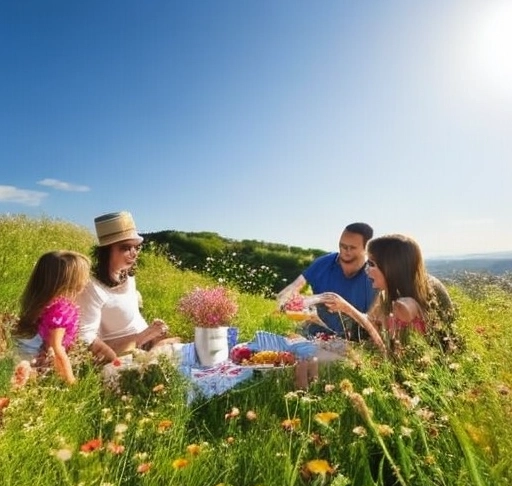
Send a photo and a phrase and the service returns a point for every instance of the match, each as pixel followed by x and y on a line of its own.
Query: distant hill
pixel 192 249
pixel 497 263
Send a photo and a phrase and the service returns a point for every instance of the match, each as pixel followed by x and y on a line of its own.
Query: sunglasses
pixel 371 263
pixel 125 248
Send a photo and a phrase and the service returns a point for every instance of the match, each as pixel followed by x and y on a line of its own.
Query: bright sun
pixel 493 47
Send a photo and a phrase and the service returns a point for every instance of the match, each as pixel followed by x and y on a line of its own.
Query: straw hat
pixel 114 227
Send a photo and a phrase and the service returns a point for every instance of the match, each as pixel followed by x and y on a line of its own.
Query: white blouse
pixel 109 312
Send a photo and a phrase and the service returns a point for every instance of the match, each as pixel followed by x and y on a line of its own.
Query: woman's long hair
pixel 400 260
pixel 57 273
pixel 101 266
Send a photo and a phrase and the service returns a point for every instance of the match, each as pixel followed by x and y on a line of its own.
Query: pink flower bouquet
pixel 208 307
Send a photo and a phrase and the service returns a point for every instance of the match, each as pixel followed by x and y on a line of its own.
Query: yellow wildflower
pixel 319 466
pixel 180 463
pixel 326 417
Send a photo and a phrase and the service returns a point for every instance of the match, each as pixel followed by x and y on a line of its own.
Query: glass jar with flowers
pixel 211 311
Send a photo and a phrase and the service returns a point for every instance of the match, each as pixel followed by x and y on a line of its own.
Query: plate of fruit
pixel 242 355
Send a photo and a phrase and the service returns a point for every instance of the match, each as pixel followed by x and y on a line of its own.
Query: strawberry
pixel 240 354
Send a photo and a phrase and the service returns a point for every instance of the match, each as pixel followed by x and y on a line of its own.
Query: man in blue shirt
pixel 341 272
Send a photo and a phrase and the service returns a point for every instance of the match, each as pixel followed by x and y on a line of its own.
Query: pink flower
pixel 115 448
pixel 213 307
pixel 144 467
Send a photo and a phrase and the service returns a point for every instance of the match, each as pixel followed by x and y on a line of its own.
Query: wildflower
pixel 179 463
pixel 425 414
pixel 360 431
pixel 235 412
pixel 120 429
pixel 116 362
pixel 64 454
pixel 404 398
pixel 107 414
pixel 91 445
pixel 406 431
pixel 346 386
pixel 144 421
pixel 22 374
pixel 293 395
pixel 115 448
pixel 144 467
pixel 329 388
pixel 230 440
pixel 4 403
pixel 325 418
pixel 290 424
pixel 251 415
pixel 319 466
pixel 194 449
pixel 140 456
pixel 385 430
pixel 164 425
pixel 354 359
pixel 308 399
pixel 158 388
pixel 368 391
pixel 430 460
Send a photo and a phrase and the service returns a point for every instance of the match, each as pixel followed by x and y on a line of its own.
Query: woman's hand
pixel 335 303
pixel 102 352
pixel 159 328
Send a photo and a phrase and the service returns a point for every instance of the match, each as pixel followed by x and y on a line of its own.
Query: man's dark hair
pixel 363 229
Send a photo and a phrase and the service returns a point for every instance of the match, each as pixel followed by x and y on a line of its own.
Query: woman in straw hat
pixel 111 322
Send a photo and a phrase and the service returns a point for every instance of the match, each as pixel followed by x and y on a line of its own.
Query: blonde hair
pixel 56 273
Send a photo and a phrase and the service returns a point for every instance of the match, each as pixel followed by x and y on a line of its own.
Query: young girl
pixel 49 316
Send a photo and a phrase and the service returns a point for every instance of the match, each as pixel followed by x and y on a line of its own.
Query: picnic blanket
pixel 214 380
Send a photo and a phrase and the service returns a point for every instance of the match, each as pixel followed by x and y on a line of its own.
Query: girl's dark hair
pixel 100 256
pixel 400 260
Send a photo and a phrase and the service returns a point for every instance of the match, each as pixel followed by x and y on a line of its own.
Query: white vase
pixel 211 345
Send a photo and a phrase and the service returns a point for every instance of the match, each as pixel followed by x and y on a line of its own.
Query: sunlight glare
pixel 493 48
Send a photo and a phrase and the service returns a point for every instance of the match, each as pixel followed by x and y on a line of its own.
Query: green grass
pixel 429 419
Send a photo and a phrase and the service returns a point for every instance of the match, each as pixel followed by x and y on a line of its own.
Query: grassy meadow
pixel 424 419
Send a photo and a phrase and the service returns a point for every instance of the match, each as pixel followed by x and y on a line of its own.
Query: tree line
pixel 275 263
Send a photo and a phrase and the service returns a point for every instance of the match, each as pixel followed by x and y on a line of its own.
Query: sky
pixel 272 120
